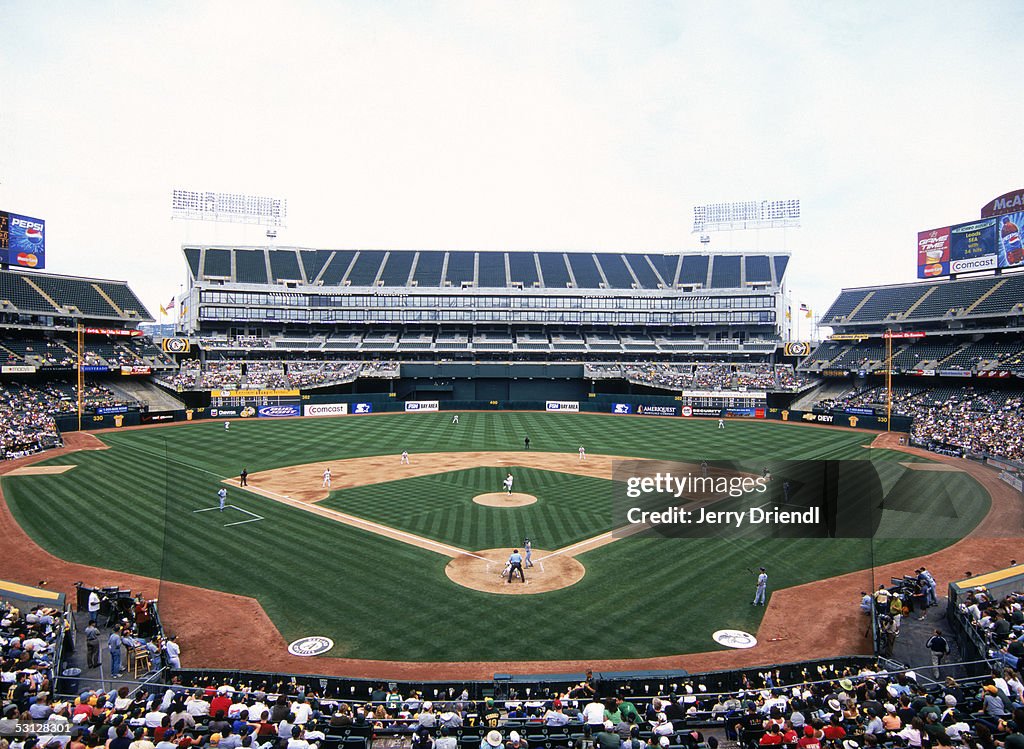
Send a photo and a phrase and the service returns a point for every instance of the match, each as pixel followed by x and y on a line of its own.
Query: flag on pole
pixel 789 313
pixel 170 304
pixel 163 311
pixel 806 310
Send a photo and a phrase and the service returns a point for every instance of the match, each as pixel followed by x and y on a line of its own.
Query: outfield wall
pixel 552 401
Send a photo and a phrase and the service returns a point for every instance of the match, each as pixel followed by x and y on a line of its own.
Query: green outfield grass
pixel 131 508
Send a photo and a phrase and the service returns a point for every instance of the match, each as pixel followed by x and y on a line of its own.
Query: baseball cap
pixel 664 741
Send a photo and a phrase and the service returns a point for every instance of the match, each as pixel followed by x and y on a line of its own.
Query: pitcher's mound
pixel 504 499
pixel 547 573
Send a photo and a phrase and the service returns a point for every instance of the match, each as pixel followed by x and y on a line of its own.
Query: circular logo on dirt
pixel 309 646
pixel 734 638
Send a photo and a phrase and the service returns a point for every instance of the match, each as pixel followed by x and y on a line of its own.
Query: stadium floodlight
pixel 228 207
pixel 747 214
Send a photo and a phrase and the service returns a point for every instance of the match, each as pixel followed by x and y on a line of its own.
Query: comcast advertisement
pixel 985 244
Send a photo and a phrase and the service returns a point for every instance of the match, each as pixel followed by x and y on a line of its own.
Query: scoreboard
pixel 22 240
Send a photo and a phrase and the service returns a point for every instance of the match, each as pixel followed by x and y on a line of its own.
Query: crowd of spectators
pixel 54 352
pixel 954 420
pixel 716 376
pixel 847 709
pixel 234 374
pixel 999 622
pixel 29 644
pixel 26 414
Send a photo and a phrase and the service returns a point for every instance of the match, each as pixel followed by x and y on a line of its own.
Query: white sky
pixel 508 125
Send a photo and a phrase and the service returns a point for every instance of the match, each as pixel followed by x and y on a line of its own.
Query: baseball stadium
pixel 342 493
pixel 366 413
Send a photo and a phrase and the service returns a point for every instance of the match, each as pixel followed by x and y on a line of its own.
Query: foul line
pixel 254 517
pixel 367 525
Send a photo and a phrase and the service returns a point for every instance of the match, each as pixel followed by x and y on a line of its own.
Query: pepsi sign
pixel 22 240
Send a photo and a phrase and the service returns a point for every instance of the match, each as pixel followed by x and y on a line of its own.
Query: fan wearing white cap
pixel 515 741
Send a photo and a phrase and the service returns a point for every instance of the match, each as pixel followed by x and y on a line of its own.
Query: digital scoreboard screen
pixel 22 240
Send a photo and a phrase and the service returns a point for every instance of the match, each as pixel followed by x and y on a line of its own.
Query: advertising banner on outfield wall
pixel 17 369
pixel 157 417
pixel 700 411
pixel 645 410
pixel 422 406
pixel 277 412
pixel 571 406
pixel 839 418
pixel 325 409
pixel 622 408
pixel 230 413
pixel 362 408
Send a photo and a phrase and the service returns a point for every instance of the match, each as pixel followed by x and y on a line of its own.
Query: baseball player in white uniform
pixel 327 479
pixel 508 484
pixel 762 586
pixel 222 495
pixel 405 457
pixel 583 453
pixel 455 419
pixel 227 425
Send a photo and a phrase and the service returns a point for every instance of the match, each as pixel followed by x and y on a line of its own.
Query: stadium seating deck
pixel 217 263
pixel 192 255
pixel 313 262
pixel 364 270
pixel 492 270
pixel 584 270
pixel 15 290
pixel 954 295
pixel 552 267
pixel 694 270
pixel 284 265
pixel 396 268
pixel 336 267
pixel 616 272
pixel 644 272
pixel 428 268
pixel 460 268
pixel 75 293
pixel 522 268
pixel 250 266
pixel 887 302
pixel 757 269
pixel 725 272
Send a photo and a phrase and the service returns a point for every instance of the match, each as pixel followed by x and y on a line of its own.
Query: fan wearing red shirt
pixel 220 702
pixel 833 731
pixel 772 737
pixel 809 740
